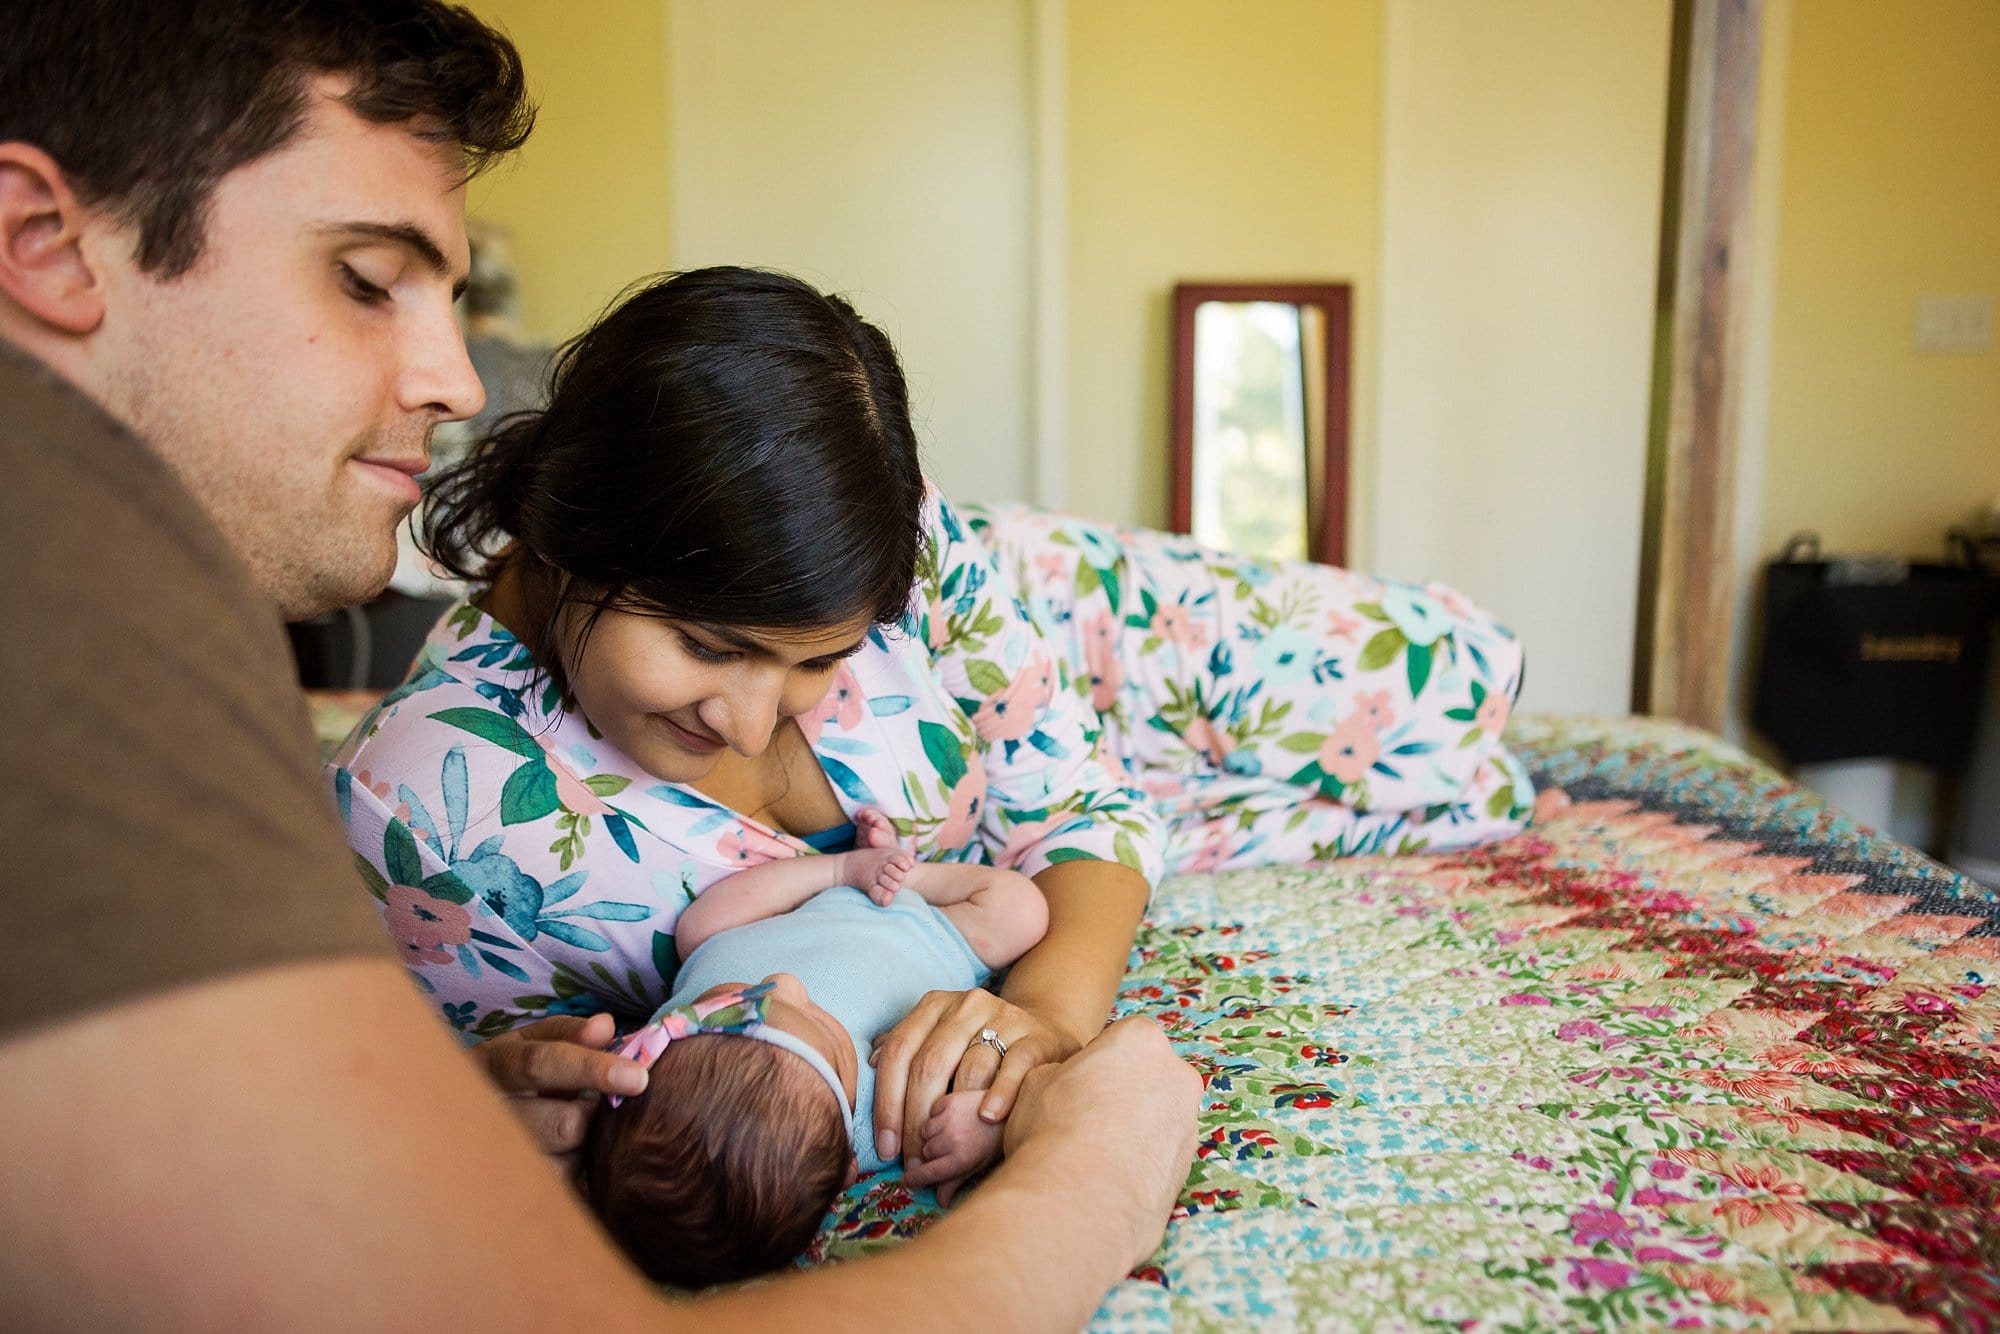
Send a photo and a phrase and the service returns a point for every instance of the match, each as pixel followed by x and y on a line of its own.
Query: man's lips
pixel 400 473
pixel 412 466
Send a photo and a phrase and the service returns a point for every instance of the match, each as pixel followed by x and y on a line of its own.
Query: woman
pixel 726 614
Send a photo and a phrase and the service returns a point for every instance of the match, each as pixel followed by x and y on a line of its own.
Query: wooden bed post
pixel 1681 663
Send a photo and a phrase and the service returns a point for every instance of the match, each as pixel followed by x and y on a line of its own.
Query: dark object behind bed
pixel 1867 658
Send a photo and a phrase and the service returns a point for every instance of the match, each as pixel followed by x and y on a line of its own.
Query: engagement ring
pixel 988 1038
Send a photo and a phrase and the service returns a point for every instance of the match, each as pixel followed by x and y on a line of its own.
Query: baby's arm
pixel 777 887
pixel 1002 914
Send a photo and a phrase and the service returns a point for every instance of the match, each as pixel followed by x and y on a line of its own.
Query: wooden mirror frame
pixel 1327 476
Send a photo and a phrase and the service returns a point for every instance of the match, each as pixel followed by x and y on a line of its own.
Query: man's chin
pixel 315 592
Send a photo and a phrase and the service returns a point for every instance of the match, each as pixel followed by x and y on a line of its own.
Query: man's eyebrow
pixel 408 235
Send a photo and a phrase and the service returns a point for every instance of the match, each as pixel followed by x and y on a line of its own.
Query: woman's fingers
pixel 977 1067
pixel 892 1058
pixel 1005 1086
pixel 936 1062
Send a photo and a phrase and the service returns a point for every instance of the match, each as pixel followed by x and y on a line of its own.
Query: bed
pixel 1696 1051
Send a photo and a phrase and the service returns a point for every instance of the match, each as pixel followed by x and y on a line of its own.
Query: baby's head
pixel 725 1165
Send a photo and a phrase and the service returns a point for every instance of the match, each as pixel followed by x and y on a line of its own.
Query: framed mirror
pixel 1260 417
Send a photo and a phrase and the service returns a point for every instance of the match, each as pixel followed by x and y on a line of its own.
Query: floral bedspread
pixel 1694 1052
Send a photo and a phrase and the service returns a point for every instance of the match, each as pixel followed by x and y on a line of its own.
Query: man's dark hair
pixel 147 104
pixel 723 1168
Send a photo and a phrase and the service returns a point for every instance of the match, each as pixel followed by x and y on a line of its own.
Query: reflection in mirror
pixel 1260 419
pixel 1253 390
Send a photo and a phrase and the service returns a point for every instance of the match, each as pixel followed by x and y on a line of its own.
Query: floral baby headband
pixel 737 1013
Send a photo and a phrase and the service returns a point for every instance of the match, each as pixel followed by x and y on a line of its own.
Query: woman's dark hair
pixel 147 104
pixel 726 446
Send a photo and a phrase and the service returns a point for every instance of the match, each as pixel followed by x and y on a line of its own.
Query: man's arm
pixel 305 1148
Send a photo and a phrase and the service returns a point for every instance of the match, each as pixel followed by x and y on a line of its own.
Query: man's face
pixel 292 377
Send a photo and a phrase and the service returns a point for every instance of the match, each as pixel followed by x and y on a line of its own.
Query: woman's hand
pixel 935 1050
pixel 548 1066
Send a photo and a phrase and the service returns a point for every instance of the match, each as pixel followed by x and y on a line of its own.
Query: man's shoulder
pixel 79 478
pixel 48 422
pixel 158 785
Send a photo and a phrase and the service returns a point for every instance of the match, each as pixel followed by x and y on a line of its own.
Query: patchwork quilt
pixel 1695 1051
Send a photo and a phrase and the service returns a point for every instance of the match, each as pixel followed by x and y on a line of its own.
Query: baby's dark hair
pixel 723 1168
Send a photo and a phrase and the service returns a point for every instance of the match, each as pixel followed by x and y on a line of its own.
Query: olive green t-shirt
pixel 161 817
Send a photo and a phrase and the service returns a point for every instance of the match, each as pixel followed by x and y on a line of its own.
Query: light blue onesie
pixel 866 966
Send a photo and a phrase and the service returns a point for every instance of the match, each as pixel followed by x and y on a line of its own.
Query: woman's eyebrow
pixel 738 640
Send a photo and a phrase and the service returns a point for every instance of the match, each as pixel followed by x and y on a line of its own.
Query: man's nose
pixel 438 376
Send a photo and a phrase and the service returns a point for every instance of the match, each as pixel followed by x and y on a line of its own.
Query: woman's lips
pixel 700 745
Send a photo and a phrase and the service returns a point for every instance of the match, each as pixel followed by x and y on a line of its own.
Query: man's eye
pixel 360 288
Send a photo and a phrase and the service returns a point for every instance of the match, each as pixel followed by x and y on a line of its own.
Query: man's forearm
pixel 1035 1247
pixel 1072 977
pixel 256 1177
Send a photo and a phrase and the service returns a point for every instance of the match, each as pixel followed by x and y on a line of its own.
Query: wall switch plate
pixel 1955 323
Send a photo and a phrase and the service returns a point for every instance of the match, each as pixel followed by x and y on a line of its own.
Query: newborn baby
pixel 758 1110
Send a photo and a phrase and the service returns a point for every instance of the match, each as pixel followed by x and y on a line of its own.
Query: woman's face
pixel 675 695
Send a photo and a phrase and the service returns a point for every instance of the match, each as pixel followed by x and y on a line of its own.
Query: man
pixel 235 227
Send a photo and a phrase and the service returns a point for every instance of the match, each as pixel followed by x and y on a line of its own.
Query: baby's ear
pixel 853 1172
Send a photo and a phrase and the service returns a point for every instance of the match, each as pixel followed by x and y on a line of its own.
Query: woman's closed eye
pixel 832 660
pixel 701 652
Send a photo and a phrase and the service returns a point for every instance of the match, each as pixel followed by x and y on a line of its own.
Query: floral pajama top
pixel 1138 700
pixel 525 867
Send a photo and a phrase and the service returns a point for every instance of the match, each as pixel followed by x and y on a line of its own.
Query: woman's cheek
pixel 804 693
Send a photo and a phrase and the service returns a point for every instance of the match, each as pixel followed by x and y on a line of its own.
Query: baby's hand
pixel 956 1144
pixel 873 828
pixel 878 872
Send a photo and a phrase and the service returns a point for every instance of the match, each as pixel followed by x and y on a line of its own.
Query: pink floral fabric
pixel 1276 712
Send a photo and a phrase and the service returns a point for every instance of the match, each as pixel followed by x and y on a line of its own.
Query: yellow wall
pixel 1521 198
pixel 880 149
pixel 587 199
pixel 1891 191
pixel 1218 141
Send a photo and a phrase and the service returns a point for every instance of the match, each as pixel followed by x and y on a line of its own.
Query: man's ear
pixel 44 266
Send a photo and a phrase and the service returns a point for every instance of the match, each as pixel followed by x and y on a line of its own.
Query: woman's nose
pixel 747 716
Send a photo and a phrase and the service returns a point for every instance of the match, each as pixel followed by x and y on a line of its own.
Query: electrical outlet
pixel 1955 323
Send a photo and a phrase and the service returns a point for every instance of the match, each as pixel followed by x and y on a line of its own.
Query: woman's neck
pixel 510 601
